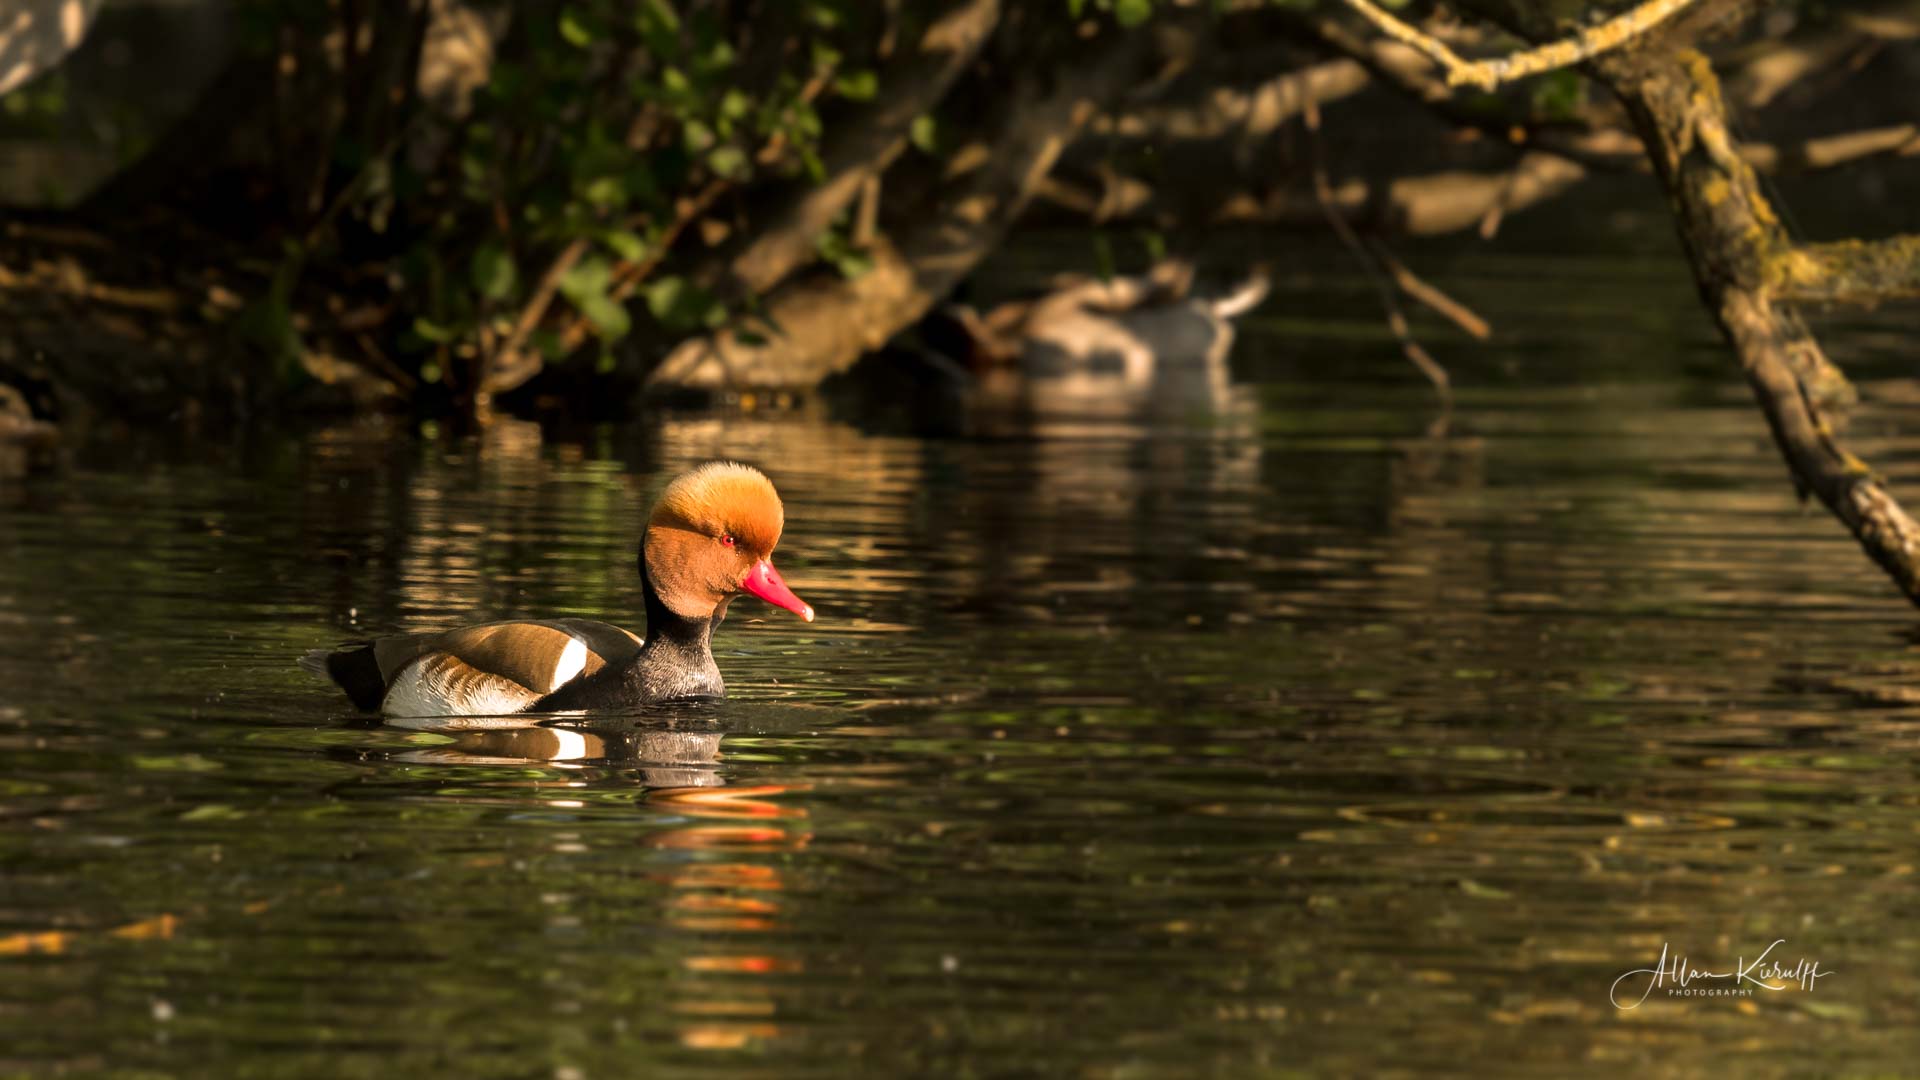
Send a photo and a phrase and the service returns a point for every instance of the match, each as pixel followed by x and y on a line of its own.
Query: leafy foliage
pixel 601 128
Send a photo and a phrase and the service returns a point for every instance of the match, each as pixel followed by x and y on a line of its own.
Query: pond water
pixel 1283 734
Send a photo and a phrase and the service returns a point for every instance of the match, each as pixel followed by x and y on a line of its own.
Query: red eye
pixel 726 539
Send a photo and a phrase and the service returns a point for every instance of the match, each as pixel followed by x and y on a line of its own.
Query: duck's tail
pixel 354 668
pixel 1246 297
pixel 314 662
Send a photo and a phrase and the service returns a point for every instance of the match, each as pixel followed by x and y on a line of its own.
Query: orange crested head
pixel 712 535
pixel 724 499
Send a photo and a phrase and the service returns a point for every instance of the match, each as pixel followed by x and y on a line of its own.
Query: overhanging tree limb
pixel 1736 244
pixel 1732 237
pixel 1583 45
pixel 1847 271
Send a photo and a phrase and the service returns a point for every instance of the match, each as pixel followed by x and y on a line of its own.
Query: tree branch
pixel 1732 237
pixel 864 145
pixel 1370 261
pixel 1487 74
pixel 812 326
pixel 1833 151
pixel 1847 271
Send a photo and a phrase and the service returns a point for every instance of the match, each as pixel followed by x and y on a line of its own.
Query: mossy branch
pixel 1847 271
pixel 1735 243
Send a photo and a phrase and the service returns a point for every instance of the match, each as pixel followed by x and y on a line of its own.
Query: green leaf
pixel 720 57
pixel 625 244
pixel 664 295
pixel 588 277
pixel 1558 95
pixel 729 161
pixel 1132 12
pixel 433 331
pixel 1155 244
pixel 586 285
pixel 853 263
pixel 824 16
pixel 696 136
pixel 574 28
pixel 816 169
pixel 924 133
pixel 680 304
pixel 1075 8
pixel 606 192
pixel 493 272
pixel 858 85
pixel 656 16
pixel 608 316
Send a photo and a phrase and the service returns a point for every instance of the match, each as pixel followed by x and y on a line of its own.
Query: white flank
pixel 431 687
pixel 573 661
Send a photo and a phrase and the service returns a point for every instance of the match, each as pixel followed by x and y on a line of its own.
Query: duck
pixel 709 538
pixel 1131 329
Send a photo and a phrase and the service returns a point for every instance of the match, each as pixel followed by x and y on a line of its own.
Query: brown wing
pixel 606 643
pixel 497 664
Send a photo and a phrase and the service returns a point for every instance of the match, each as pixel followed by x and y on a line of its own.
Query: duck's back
pixel 484 670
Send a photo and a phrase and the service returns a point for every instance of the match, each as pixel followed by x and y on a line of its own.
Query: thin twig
pixel 1410 283
pixel 1487 74
pixel 1396 316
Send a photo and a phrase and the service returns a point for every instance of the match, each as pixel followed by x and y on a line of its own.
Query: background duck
pixel 1131 327
pixel 710 538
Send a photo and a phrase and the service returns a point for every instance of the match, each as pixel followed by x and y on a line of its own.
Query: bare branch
pixel 1833 151
pixel 1396 317
pixel 1487 74
pixel 1410 283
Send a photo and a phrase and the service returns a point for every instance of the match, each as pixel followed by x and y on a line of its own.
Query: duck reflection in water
pixel 671 756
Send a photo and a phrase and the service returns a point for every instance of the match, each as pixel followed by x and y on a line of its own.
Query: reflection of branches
pixel 1487 74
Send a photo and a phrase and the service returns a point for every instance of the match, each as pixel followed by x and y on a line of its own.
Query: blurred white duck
pixel 1123 325
pixel 1123 346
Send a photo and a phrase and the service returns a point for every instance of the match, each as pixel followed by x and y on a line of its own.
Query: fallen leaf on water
pixel 43 941
pixel 1483 892
pixel 160 926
